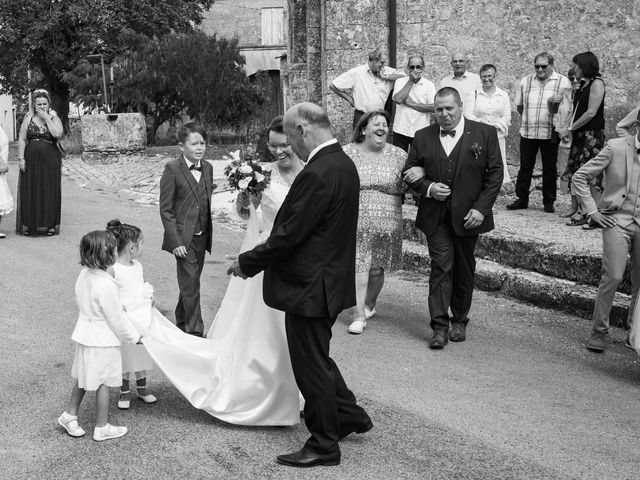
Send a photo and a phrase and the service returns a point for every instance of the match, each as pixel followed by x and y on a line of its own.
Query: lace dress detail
pixel 34 132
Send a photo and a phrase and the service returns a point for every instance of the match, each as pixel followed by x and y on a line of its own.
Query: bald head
pixel 459 63
pixel 306 126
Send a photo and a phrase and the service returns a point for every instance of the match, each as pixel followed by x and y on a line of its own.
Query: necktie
pixel 193 167
pixel 451 133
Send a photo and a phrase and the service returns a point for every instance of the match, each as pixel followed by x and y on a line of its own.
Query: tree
pixel 179 73
pixel 50 37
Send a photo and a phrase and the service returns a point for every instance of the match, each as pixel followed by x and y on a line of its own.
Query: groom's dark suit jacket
pixel 309 259
pixel 477 180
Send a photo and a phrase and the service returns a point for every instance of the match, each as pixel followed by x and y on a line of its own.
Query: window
pixel 273 26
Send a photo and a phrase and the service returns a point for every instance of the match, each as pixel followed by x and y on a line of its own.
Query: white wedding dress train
pixel 242 372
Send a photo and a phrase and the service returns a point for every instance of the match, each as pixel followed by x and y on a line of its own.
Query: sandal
pixel 568 214
pixel 575 222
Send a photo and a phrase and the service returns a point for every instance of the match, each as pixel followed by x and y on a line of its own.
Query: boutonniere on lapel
pixel 476 149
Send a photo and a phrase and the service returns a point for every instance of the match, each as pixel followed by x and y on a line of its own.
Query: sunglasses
pixel 415 67
pixel 540 66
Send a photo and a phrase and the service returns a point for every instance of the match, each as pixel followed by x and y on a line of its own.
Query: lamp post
pixel 104 78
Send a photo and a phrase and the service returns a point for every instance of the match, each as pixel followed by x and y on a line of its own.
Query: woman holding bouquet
pixel 241 373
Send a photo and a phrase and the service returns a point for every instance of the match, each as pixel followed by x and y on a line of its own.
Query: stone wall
pixel 507 33
pixel 105 138
pixel 240 18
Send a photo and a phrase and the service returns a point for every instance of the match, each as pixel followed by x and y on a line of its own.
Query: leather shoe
pixel 518 205
pixel 438 340
pixel 549 208
pixel 597 342
pixel 360 427
pixel 306 458
pixel 458 332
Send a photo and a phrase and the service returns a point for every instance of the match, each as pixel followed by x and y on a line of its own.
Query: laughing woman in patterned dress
pixel 40 163
pixel 379 235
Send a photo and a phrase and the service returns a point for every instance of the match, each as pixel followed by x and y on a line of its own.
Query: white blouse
pixel 490 109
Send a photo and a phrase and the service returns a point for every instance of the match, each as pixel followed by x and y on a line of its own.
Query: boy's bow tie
pixel 193 167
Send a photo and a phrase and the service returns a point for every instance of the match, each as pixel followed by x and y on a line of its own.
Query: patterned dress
pixel 379 235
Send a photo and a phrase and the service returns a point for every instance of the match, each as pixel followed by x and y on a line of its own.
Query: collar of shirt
pixel 498 92
pixel 458 128
pixel 189 162
pixel 448 143
pixel 320 147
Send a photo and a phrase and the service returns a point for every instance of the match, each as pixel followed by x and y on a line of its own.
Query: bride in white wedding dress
pixel 241 373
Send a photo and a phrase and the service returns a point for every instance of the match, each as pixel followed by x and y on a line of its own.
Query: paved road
pixel 521 399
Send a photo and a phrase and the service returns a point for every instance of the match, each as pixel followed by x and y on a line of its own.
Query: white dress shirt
pixel 369 91
pixel 449 143
pixel 466 84
pixel 196 174
pixel 321 146
pixel 409 120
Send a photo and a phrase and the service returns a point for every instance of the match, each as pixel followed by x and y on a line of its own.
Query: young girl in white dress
pixel 6 200
pixel 102 326
pixel 129 277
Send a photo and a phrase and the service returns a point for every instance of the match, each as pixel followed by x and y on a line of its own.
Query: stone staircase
pixel 545 268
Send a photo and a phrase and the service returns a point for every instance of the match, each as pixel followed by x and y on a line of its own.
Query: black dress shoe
pixel 518 205
pixel 438 340
pixel 360 427
pixel 306 458
pixel 458 332
pixel 549 208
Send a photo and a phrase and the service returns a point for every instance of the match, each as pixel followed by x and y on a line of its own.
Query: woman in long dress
pixel 242 372
pixel 40 163
pixel 379 234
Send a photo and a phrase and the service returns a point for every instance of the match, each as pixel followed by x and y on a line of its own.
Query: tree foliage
pixel 179 73
pixel 51 36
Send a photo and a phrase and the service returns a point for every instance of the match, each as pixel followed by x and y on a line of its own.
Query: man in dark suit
pixel 456 167
pixel 185 208
pixel 309 273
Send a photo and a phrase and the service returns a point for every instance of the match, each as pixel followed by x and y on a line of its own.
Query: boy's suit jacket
pixel 477 180
pixel 309 258
pixel 616 159
pixel 179 207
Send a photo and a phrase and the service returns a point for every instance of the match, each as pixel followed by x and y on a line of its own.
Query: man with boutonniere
pixel 456 167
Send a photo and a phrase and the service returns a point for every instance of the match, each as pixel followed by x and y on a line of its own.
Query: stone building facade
pixel 331 36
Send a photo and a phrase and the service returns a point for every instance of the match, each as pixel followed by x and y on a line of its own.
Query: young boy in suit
pixel 185 208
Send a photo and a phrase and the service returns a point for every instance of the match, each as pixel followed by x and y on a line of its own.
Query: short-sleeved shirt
pixel 370 91
pixel 409 120
pixel 466 84
pixel 532 95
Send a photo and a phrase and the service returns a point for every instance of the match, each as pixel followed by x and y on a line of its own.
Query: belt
pixel 42 140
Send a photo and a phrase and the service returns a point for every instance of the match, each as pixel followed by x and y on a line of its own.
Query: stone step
pixel 526 285
pixel 551 259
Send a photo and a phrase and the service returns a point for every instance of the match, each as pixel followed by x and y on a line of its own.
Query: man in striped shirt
pixel 536 95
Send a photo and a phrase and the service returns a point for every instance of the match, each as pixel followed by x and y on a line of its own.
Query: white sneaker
pixel 357 326
pixel 70 424
pixel 108 432
pixel 369 313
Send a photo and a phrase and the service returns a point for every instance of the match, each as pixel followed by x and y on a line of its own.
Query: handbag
pixel 63 152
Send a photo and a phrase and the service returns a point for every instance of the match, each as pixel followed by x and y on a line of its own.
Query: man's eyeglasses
pixel 415 67
pixel 282 146
pixel 540 66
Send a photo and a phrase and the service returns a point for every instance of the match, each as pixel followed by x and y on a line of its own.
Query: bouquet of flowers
pixel 245 174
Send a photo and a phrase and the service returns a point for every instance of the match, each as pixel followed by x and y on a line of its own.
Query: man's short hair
pixel 189 128
pixel 375 54
pixel 446 91
pixel 546 55
pixel 487 66
pixel 416 56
